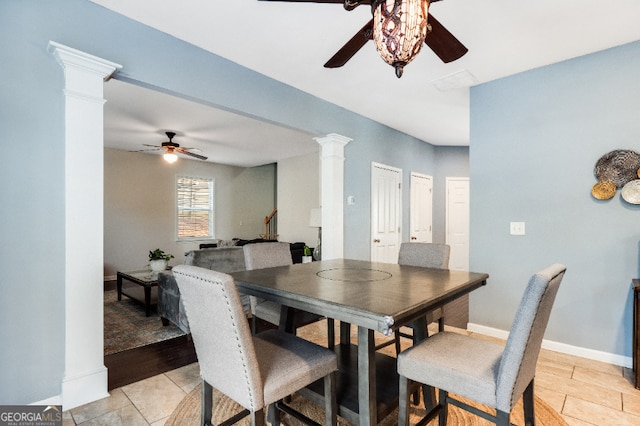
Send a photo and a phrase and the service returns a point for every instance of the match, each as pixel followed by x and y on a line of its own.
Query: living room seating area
pixel 226 256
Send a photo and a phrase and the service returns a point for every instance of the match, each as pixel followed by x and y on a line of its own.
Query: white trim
pixel 609 358
pixel 331 193
pixel 85 376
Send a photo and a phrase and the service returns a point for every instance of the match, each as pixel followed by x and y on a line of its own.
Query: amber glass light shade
pixel 399 30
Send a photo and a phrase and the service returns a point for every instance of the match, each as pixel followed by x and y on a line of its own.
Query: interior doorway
pixel 457 221
pixel 386 213
pixel 421 205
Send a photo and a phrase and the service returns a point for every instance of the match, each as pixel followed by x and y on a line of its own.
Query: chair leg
pixel 502 418
pixel 330 403
pixel 331 333
pixel 444 407
pixel 441 324
pixel 528 404
pixel 273 415
pixel 403 402
pixel 207 409
pixel 397 342
pixel 257 417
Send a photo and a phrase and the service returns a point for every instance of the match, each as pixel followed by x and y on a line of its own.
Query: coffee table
pixel 145 281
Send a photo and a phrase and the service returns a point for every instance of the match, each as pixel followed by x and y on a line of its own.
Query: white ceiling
pixel 134 116
pixel 504 37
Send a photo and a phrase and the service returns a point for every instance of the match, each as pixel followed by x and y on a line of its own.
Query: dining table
pixel 373 296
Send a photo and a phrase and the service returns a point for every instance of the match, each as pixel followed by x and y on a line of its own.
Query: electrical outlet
pixel 517 228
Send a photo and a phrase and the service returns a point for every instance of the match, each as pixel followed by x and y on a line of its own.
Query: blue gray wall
pixel 32 122
pixel 535 138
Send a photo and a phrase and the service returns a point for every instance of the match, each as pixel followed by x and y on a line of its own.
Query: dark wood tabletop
pixel 379 296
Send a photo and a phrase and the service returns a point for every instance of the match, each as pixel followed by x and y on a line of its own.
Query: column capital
pixel 333 138
pixel 332 145
pixel 70 57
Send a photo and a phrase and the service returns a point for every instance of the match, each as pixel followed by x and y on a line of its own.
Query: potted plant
pixel 306 257
pixel 158 260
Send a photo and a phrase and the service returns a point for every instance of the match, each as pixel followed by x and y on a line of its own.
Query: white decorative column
pixel 85 376
pixel 331 194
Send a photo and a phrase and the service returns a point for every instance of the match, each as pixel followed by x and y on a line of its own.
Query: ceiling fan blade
pixel 443 43
pixel 154 148
pixel 185 152
pixel 351 47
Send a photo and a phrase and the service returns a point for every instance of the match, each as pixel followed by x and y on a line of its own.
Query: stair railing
pixel 270 226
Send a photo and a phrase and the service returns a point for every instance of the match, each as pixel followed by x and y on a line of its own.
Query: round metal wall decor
pixel 631 192
pixel 619 166
pixel 604 190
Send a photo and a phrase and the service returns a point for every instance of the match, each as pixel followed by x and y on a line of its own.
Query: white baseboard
pixel 609 358
pixel 54 400
pixel 85 388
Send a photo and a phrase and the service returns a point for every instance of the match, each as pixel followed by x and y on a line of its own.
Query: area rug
pixel 188 413
pixel 127 327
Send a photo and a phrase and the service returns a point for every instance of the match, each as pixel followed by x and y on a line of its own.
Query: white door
pixel 421 205
pixel 386 217
pixel 457 222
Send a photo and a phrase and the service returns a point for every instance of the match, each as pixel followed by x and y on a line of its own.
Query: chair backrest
pixel 518 363
pixel 221 334
pixel 427 255
pixel 266 255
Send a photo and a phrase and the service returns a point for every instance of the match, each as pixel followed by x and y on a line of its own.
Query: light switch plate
pixel 517 228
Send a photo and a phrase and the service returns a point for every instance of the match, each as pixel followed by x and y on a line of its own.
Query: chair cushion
pixel 268 311
pixel 288 363
pixel 455 362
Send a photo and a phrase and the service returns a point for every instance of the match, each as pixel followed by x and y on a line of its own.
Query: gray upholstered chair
pixel 269 255
pixel 266 255
pixel 483 371
pixel 426 255
pixel 255 371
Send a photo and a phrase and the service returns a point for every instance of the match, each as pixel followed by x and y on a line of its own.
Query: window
pixel 195 208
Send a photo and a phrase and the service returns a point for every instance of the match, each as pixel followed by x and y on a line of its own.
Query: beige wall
pixel 298 193
pixel 139 205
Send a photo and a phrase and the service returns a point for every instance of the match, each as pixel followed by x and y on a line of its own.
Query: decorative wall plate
pixel 631 192
pixel 604 190
pixel 619 166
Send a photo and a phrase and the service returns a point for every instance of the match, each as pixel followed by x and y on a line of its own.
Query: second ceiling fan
pixel 399 28
pixel 170 148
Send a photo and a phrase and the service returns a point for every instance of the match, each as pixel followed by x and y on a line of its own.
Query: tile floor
pixel 583 391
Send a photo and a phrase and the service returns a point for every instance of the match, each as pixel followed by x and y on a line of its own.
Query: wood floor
pixel 140 363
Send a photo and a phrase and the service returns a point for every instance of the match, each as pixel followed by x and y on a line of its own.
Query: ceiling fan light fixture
pixel 169 156
pixel 399 30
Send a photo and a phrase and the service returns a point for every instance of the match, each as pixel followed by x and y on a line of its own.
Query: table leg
pixel 367 407
pixel 147 300
pixel 286 320
pixel 345 333
pixel 119 286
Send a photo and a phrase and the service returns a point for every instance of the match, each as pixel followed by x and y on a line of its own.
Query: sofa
pixel 227 259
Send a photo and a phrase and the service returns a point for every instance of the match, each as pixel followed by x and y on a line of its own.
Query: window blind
pixel 195 207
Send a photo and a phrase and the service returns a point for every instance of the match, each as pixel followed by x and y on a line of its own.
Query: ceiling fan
pixel 393 32
pixel 170 148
